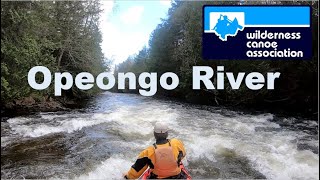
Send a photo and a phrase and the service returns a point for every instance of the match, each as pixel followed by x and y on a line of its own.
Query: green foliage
pixel 63 36
pixel 175 46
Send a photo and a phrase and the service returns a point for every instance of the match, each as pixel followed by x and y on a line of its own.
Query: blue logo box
pixel 257 32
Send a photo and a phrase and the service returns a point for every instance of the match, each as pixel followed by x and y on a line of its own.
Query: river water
pixel 102 141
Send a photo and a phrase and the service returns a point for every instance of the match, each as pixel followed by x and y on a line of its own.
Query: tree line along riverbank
pixel 175 46
pixel 65 37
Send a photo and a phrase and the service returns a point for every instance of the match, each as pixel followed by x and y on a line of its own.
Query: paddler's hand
pixel 124 175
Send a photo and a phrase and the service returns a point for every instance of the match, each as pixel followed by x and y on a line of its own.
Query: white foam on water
pixel 274 153
pixel 51 116
pixel 141 120
pixel 205 134
pixel 128 119
pixel 278 158
pixel 113 168
pixel 206 147
pixel 19 120
pixel 68 125
pixel 5 141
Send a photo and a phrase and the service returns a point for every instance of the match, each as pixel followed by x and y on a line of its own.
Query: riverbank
pixel 30 105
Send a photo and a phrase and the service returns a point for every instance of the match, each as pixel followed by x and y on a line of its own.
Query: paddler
pixel 163 157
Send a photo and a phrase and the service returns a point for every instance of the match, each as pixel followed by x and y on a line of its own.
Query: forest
pixel 65 37
pixel 175 46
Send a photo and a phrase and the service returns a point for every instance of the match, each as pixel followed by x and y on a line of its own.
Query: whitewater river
pixel 102 141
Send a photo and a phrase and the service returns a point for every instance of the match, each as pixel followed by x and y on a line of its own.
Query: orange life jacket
pixel 166 164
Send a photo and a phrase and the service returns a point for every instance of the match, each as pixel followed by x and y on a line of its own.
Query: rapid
pixel 103 140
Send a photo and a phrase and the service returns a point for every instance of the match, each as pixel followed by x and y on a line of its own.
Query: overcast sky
pixel 127 25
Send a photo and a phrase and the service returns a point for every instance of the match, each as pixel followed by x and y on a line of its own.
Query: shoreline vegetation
pixel 61 35
pixel 65 36
pixel 175 46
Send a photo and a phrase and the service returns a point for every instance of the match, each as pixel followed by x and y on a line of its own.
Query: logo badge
pixel 257 32
pixel 226 24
